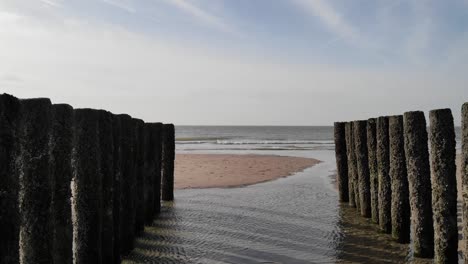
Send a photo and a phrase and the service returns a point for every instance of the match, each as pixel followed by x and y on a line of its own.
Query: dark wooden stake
pixel 464 173
pixel 35 185
pixel 140 176
pixel 168 162
pixel 157 136
pixel 61 174
pixel 444 186
pixel 383 168
pixel 399 178
pixel 360 143
pixel 419 179
pixel 373 172
pixel 106 146
pixel 128 191
pixel 86 188
pixel 341 161
pixel 117 210
pixel 350 163
pixel 9 184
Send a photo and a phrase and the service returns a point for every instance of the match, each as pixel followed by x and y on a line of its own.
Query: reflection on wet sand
pixel 193 233
pixel 363 243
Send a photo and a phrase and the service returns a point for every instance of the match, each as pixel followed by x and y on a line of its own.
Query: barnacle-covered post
pixel 87 188
pixel 464 173
pixel 362 162
pixel 168 162
pixel 157 159
pixel 106 146
pixel 383 167
pixel 341 161
pixel 140 175
pixel 9 178
pixel 35 183
pixel 117 210
pixel 373 175
pixel 61 173
pixel 419 179
pixel 128 186
pixel 444 186
pixel 399 179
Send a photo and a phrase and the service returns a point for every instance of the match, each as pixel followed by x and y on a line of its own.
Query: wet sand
pixel 227 170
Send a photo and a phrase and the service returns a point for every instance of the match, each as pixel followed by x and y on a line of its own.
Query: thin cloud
pixel 203 16
pixel 344 30
pixel 51 3
pixel 330 18
pixel 121 5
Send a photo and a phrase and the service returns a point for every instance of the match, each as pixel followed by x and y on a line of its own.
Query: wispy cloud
pixel 120 4
pixel 51 3
pixel 332 19
pixel 203 16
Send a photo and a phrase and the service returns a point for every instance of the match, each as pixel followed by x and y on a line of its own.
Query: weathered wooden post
pixel 383 167
pixel 86 188
pixel 168 162
pixel 148 185
pixel 149 169
pixel 362 162
pixel 9 179
pixel 156 134
pixel 444 186
pixel 117 212
pixel 341 161
pixel 106 147
pixel 373 175
pixel 61 173
pixel 35 185
pixel 419 179
pixel 350 163
pixel 399 178
pixel 357 194
pixel 128 190
pixel 140 176
pixel 464 174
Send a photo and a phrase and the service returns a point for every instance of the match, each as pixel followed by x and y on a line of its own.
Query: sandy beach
pixel 226 170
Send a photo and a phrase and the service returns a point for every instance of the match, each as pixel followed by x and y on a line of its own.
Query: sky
pixel 238 62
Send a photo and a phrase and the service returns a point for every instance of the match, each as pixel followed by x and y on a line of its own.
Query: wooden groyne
pixel 77 185
pixel 412 194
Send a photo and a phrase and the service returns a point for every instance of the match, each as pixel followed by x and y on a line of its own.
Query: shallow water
pixel 290 220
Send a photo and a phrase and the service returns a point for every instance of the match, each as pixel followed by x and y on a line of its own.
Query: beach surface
pixel 228 170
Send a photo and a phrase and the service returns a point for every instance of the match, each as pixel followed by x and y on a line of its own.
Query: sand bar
pixel 226 170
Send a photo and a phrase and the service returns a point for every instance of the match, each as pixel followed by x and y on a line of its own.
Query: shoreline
pixel 199 171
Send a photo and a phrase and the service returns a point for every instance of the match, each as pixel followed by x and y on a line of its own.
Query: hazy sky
pixel 233 62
